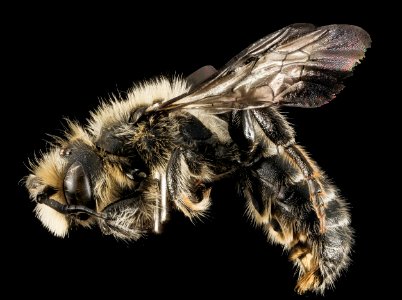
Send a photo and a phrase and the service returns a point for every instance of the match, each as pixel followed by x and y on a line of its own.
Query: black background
pixel 66 59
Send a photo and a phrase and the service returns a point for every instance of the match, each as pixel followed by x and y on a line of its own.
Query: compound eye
pixel 77 187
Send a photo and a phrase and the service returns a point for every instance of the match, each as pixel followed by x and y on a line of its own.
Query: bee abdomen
pixel 279 198
pixel 337 240
pixel 321 256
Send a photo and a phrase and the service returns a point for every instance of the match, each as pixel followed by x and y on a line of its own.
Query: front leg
pixel 132 216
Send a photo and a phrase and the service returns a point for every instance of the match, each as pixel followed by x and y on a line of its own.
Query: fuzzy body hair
pixel 49 170
pixel 313 256
pixel 169 141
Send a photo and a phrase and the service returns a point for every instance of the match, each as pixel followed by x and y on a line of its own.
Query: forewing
pixel 299 65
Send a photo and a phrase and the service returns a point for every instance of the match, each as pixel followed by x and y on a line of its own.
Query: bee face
pixel 66 176
pixel 80 184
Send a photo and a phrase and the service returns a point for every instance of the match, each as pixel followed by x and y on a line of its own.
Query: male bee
pixel 169 141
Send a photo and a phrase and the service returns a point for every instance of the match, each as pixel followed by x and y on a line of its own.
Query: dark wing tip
pixel 360 40
pixel 336 50
pixel 357 33
pixel 350 40
pixel 361 35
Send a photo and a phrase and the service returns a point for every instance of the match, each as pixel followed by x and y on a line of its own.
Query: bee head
pixel 77 183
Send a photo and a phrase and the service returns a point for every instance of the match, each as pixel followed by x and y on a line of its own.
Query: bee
pixel 170 140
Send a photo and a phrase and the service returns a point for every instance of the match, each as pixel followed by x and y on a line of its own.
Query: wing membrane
pixel 299 65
